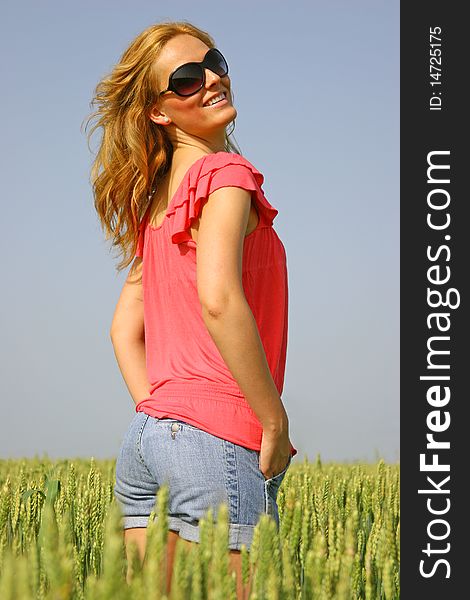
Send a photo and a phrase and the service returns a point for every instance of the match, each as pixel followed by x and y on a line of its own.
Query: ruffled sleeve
pixel 221 169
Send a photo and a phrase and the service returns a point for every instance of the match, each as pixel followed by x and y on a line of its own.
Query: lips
pixel 206 105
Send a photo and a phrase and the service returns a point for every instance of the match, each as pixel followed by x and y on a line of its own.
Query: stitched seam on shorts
pixel 138 446
pixel 231 480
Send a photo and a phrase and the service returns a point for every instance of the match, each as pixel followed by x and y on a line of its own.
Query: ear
pixel 157 117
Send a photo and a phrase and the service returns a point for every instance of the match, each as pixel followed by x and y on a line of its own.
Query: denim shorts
pixel 201 470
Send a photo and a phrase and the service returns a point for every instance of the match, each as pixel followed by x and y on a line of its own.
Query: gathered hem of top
pixel 236 420
pixel 217 391
pixel 235 424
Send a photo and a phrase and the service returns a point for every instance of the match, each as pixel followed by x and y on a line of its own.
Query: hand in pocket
pixel 275 453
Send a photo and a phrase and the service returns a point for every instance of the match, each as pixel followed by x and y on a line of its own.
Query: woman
pixel 200 337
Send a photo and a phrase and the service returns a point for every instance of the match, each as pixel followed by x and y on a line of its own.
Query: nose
pixel 211 78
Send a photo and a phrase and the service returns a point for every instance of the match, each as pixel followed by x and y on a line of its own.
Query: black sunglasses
pixel 189 78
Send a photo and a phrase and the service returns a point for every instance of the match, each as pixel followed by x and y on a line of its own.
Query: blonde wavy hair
pixel 134 152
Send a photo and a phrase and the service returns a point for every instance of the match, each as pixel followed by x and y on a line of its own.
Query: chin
pixel 227 116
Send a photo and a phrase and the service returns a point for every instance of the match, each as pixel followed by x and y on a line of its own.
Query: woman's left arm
pixel 127 334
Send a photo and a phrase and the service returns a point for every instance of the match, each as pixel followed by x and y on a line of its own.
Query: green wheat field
pixel 61 538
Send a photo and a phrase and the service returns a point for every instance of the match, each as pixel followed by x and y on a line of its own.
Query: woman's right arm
pixel 127 334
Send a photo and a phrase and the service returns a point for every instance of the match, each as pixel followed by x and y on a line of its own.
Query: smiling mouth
pixel 224 94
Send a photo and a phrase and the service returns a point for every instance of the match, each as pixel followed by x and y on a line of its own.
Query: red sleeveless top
pixel 188 377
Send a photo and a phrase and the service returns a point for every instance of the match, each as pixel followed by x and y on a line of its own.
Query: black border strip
pixel 434 270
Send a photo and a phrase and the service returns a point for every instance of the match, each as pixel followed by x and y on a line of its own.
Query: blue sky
pixel 316 87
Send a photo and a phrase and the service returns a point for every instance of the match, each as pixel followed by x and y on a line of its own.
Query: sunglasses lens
pixel 216 62
pixel 188 79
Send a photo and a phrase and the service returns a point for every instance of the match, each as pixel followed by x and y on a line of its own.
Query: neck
pixel 185 144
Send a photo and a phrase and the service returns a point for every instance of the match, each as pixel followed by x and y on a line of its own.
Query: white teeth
pixel 214 100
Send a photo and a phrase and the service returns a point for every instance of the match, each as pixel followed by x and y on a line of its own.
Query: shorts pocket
pixel 271 489
pixel 280 476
